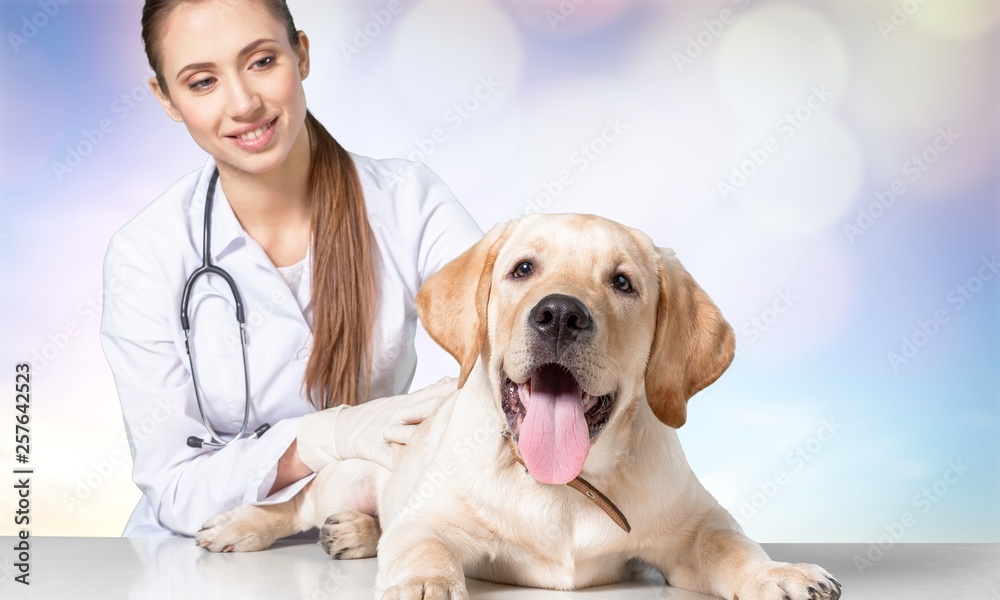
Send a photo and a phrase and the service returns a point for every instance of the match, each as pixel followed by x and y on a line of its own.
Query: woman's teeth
pixel 252 135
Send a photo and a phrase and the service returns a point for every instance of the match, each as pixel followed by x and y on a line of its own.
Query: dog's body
pixel 579 341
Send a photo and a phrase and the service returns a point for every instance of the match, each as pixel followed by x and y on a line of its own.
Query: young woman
pixel 320 252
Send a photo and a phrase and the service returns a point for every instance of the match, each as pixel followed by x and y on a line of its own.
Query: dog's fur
pixel 458 502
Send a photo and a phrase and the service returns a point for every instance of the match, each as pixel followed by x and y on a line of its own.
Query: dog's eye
pixel 622 283
pixel 523 269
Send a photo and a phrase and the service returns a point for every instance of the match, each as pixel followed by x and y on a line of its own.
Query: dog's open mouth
pixel 553 420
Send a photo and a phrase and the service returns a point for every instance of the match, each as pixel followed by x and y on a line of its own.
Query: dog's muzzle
pixel 551 416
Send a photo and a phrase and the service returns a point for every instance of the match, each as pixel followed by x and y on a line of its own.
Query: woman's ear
pixel 303 52
pixel 164 99
pixel 452 302
pixel 692 346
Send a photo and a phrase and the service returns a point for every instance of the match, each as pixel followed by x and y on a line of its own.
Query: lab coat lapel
pixel 227 233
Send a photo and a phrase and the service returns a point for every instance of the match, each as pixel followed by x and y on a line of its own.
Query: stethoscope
pixel 208 267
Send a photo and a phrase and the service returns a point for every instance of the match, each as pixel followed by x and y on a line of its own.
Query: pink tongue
pixel 554 440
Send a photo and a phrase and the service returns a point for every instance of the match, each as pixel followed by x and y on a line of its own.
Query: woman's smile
pixel 256 137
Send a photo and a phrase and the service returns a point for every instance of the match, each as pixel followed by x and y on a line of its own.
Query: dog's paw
pixel 350 534
pixel 427 588
pixel 783 581
pixel 233 531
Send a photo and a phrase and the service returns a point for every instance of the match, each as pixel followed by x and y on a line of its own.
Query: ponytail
pixel 345 292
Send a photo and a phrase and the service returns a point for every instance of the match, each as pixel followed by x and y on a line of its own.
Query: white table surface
pixel 109 568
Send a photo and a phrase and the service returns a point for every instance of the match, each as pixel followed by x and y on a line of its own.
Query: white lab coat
pixel 418 226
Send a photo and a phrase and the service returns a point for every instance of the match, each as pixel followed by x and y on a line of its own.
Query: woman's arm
pixel 185 486
pixel 290 469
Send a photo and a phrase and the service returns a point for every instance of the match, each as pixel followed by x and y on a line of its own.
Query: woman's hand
pixel 368 430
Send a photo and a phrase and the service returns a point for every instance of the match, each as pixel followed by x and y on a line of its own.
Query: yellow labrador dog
pixel 580 344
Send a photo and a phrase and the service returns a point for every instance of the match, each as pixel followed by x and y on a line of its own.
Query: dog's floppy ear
pixel 692 346
pixel 452 302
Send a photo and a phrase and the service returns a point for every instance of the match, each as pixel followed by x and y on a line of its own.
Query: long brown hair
pixel 345 293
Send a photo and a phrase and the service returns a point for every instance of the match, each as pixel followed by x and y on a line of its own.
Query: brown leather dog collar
pixel 584 487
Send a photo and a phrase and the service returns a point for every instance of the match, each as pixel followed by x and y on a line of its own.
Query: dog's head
pixel 575 318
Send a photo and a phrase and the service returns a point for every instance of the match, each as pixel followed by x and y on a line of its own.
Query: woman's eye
pixel 202 83
pixel 523 269
pixel 622 283
pixel 260 64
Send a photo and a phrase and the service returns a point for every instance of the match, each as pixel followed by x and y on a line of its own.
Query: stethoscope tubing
pixel 207 267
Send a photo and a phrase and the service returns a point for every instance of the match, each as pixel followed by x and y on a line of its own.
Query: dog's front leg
pixel 340 500
pixel 718 559
pixel 414 563
pixel 250 528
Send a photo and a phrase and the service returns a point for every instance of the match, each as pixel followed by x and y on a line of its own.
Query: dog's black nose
pixel 560 318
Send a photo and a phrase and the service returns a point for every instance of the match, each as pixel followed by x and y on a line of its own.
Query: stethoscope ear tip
pixel 195 442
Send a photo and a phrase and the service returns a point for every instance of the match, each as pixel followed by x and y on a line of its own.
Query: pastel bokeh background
pixel 828 171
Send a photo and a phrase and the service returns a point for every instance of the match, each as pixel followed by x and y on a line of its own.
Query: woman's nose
pixel 244 99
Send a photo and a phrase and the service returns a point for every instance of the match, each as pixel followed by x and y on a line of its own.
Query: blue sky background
pixel 699 87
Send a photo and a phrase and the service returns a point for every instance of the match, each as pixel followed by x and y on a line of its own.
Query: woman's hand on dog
pixel 371 431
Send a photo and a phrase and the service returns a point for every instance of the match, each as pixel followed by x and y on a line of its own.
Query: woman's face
pixel 235 81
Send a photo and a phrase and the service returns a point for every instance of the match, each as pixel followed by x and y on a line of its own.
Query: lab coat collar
pixel 227 233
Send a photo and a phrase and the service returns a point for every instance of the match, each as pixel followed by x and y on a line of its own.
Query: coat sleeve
pixel 447 229
pixel 185 486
